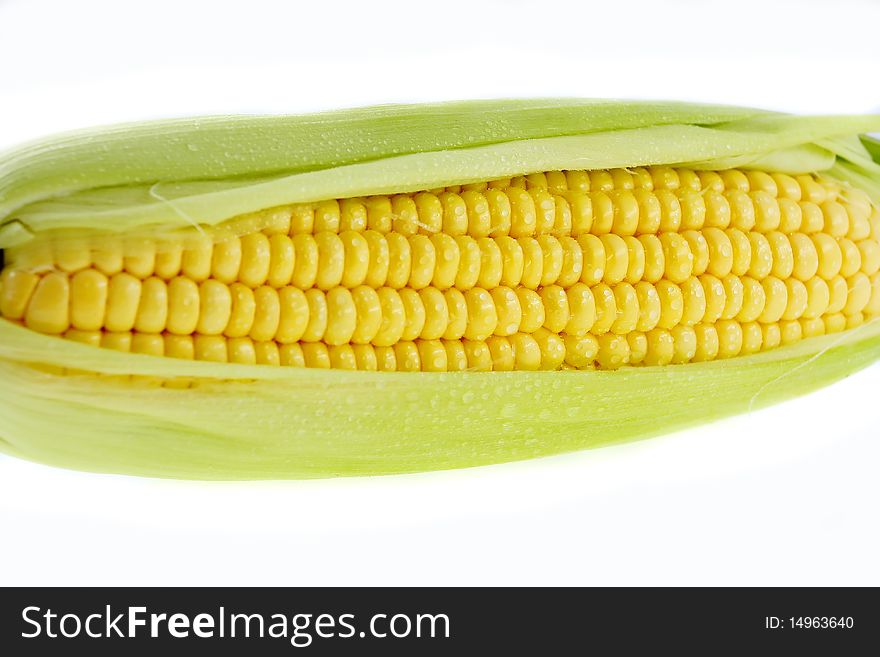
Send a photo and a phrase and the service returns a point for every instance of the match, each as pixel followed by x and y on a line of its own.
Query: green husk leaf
pixel 100 410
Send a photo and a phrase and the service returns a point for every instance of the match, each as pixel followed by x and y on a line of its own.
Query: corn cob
pixel 561 269
pixel 235 302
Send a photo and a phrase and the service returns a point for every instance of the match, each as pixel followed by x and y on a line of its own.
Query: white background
pixel 787 495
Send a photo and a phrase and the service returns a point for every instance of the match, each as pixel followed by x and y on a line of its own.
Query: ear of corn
pixel 747 249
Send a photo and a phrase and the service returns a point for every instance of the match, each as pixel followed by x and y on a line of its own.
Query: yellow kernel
pixel 226 261
pixel 469 257
pixel 341 316
pixel 206 347
pixel 316 355
pixel 852 258
pixel 393 318
pixel 243 311
pixel 580 351
pixel 626 213
pixel 183 306
pixel 318 316
pixel 180 346
pixel 379 219
pixel 759 180
pixel 581 205
pixel 532 306
pixel 655 262
pixel 379 259
pixel 677 256
pixel 753 338
pixel 836 219
pixel 456 308
pixel 672 213
pixel 533 262
pixel 685 344
pixel 116 341
pixel 150 344
pixel 399 260
pixel 699 248
pixel 834 323
pixel 787 187
pixel 603 213
pixel 650 211
pixel 754 299
pixel 267 314
pixel 730 338
pixel 762 256
pixel 482 317
pixel 771 336
pixel 582 308
pixel 649 304
pixel 197 257
pixel 478 356
pixel 281 260
pixel 812 328
pixel 563 221
pixel 638 347
pixel 783 258
pixel 437 314
pixel 430 211
pixel 716 298
pixel 255 255
pixel 806 258
pixel 139 258
pixel 797 299
pixel 552 259
pixel 606 308
pixel 107 253
pixel 552 349
pixel 545 211
pixel 356 258
pixel 88 299
pixel 447 260
pixel 432 355
pixel 572 263
pixel 743 213
pixel 859 287
pixel 16 288
pixel 293 316
pixel 870 256
pixel 491 263
pixel 500 212
pixel 594 259
pixel 523 217
pixel 661 347
pixel 811 190
pixel 694 301
pixel 626 300
pixel 664 177
pixel 152 312
pixel 508 309
pixel 414 312
pixel 775 300
pixel 734 296
pixel 720 252
pixel 742 251
pixel 456 357
pixel 352 215
pixel 838 292
pixel 694 208
pixel 503 359
pixel 790 331
pixel 327 216
pixel 818 298
pixel 302 219
pixel 812 219
pixel 47 311
pixel 671 304
pixel 707 343
pixel 215 307
pixel 617 258
pixel 305 268
pixel 613 351
pixel 556 310
pixel 479 217
pixel 790 216
pixel 635 269
pixel 718 210
pixel 406 215
pixel 768 215
pixel 734 179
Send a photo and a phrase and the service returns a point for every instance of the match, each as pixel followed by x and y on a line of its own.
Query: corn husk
pixel 93 409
